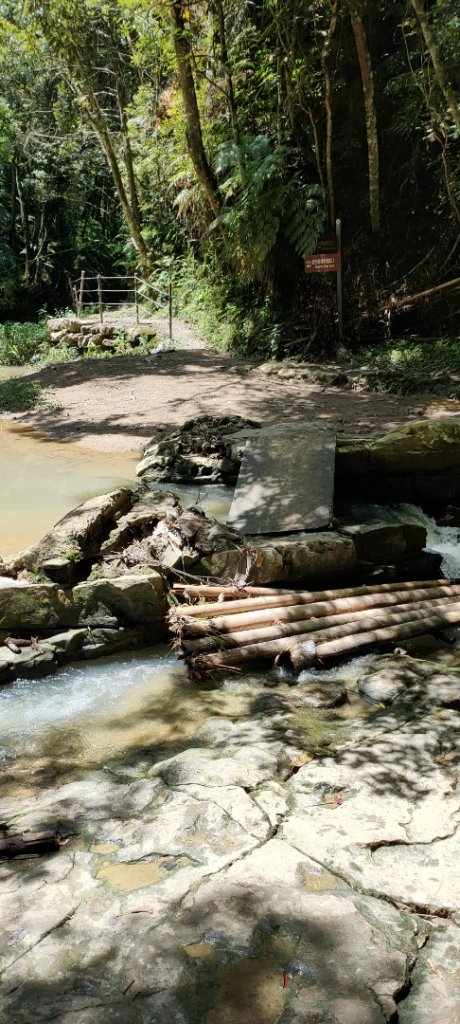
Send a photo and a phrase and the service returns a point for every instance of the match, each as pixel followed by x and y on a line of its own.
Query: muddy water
pixel 43 479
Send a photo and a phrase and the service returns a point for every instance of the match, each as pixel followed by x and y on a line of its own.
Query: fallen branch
pixel 410 300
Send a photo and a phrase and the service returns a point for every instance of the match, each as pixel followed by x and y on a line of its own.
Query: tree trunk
pixel 192 115
pixel 231 100
pixel 128 154
pixel 367 79
pixel 96 117
pixel 440 71
pixel 24 225
pixel 329 112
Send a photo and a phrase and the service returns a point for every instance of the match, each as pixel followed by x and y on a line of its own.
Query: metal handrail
pixel 132 284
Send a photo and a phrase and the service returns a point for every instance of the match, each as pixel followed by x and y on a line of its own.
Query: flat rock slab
pixel 286 481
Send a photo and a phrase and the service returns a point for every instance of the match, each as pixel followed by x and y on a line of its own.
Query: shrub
pixel 18 395
pixel 19 343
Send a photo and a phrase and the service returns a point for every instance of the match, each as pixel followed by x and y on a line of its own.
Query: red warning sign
pixel 323 263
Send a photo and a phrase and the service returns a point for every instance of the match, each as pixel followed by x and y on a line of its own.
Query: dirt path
pixel 118 404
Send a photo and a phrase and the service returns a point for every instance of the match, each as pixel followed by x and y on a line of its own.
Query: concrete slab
pixel 286 480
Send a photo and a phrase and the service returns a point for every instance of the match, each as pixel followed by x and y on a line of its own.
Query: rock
pixel 289 558
pixel 268 368
pixel 149 507
pixel 259 565
pixel 377 541
pixel 314 556
pixel 323 694
pixel 128 600
pixel 417 462
pixel 200 450
pixel 63 325
pixel 65 645
pixel 279 914
pixel 382 687
pixel 434 994
pixel 425 565
pixel 248 768
pixel 61 570
pixel 77 536
pixel 29 664
pixel 383 812
pixel 28 607
pixel 415 536
pixel 103 642
pixel 450 517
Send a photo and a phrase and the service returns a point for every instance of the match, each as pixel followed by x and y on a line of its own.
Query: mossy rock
pixel 423 446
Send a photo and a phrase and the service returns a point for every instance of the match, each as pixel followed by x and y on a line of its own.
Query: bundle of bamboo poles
pixel 231 626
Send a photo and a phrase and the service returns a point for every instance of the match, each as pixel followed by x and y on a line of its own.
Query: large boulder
pixel 130 600
pixel 29 606
pixel 293 558
pixel 76 537
pixel 419 461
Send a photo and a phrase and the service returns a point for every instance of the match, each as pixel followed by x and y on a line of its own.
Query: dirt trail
pixel 118 404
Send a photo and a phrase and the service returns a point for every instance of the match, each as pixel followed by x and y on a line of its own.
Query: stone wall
pixel 84 335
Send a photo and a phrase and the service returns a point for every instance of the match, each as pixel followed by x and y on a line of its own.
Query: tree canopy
pixel 224 139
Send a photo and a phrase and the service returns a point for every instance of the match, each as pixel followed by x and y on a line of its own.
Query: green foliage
pixel 18 395
pixel 243 320
pixel 264 89
pixel 263 202
pixel 20 342
pixel 407 367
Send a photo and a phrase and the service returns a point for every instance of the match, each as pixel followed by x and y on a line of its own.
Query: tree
pixel 367 78
pixel 91 42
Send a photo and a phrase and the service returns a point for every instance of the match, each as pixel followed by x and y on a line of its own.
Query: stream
pixel 201 868
pixel 90 715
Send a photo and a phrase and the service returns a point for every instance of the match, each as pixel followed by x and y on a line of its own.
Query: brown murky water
pixel 43 479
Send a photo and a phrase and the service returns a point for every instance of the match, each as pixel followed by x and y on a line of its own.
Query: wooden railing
pixel 101 293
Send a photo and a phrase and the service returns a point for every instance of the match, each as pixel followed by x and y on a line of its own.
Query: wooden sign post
pixel 328 260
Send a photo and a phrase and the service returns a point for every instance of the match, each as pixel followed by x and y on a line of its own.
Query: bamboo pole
pixel 359 621
pixel 227 590
pixel 413 628
pixel 232 623
pixel 301 645
pixel 292 597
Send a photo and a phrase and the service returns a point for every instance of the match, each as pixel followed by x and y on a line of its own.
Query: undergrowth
pixel 242 321
pixel 20 342
pixel 406 366
pixel 19 395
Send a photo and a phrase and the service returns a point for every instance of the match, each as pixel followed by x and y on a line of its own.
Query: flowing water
pixel 134 707
pixel 445 540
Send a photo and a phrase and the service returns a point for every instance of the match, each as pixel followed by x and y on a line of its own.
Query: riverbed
pixel 226 854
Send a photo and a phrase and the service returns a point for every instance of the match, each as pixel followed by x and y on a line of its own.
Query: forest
pixel 216 143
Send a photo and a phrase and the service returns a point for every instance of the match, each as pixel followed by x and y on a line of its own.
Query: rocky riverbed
pixel 279 864
pixel 266 848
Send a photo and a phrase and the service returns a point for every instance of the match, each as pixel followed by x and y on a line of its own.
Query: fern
pixel 264 201
pixel 304 218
